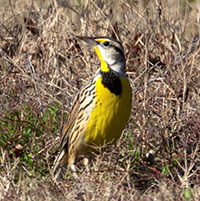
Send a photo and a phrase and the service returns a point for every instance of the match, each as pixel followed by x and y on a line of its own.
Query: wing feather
pixel 79 102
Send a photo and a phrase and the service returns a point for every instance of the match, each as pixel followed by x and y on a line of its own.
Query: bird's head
pixel 109 51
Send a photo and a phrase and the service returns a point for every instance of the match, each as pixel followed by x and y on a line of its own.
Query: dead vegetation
pixel 43 66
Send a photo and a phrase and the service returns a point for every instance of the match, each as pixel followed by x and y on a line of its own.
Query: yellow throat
pixel 104 65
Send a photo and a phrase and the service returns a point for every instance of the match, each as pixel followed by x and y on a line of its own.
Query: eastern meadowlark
pixel 102 107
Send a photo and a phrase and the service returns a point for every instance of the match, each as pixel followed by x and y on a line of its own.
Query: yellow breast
pixel 110 114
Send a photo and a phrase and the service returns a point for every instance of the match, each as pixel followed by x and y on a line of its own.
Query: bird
pixel 101 109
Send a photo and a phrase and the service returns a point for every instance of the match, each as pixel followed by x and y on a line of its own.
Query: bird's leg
pixel 86 162
pixel 73 168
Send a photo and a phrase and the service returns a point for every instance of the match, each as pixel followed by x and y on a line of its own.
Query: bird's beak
pixel 93 42
pixel 89 40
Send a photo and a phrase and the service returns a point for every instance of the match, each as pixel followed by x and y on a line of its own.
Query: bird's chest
pixel 111 112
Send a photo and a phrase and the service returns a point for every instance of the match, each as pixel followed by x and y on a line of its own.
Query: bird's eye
pixel 106 43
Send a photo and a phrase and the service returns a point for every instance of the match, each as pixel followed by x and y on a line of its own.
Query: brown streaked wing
pixel 70 121
pixel 79 100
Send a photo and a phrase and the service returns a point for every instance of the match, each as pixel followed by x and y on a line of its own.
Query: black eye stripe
pixel 118 50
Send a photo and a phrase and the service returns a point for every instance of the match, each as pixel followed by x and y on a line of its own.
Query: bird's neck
pixel 119 68
pixel 116 67
pixel 104 67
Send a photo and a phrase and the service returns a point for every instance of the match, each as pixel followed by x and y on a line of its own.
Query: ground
pixel 43 66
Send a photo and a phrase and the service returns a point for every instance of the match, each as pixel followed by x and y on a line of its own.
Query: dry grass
pixel 42 67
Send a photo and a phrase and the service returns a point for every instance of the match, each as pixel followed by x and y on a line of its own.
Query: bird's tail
pixel 59 164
